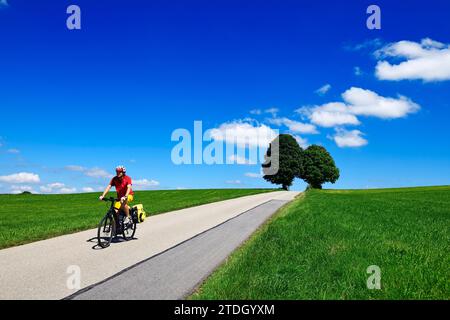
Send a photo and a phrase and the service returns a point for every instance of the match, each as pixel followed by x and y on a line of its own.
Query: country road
pixel 172 254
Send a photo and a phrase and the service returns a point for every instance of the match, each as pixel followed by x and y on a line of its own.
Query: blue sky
pixel 75 103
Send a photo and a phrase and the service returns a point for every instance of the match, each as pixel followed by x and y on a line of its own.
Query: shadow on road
pixel 117 239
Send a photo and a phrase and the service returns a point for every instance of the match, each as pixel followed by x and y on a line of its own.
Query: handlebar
pixel 110 199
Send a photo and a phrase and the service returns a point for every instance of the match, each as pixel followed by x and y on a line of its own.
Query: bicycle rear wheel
pixel 106 231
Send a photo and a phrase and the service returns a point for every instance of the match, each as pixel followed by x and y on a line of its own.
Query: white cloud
pixel 428 60
pixel 254 175
pixel 13 151
pixel 97 173
pixel 20 189
pixel 272 111
pixel 349 139
pixel 90 172
pixel 330 115
pixel 87 189
pixel 359 102
pixel 301 141
pixel 145 182
pixel 294 126
pixel 357 71
pixel 67 190
pixel 368 44
pixel 244 133
pixel 45 189
pixel 256 111
pixel 368 103
pixel 240 160
pixel 233 182
pixel 22 177
pixel 323 90
pixel 55 187
pixel 142 183
pixel 75 168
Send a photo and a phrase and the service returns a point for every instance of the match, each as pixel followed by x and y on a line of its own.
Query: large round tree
pixel 283 161
pixel 318 167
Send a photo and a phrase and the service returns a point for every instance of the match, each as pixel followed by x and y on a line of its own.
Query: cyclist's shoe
pixel 127 221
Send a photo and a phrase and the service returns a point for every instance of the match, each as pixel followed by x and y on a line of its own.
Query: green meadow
pixel 320 246
pixel 28 217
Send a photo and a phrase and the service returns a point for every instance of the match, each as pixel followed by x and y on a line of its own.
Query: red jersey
pixel 121 185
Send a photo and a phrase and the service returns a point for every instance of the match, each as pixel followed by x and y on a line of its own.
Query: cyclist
pixel 123 185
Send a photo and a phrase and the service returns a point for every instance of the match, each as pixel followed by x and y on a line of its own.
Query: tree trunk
pixel 285 187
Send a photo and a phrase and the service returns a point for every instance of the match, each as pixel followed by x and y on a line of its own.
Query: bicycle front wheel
pixel 106 230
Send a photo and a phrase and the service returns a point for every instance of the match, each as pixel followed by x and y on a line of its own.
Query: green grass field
pixel 320 245
pixel 27 218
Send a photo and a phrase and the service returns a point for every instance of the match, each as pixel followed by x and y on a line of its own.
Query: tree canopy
pixel 314 165
pixel 318 167
pixel 289 154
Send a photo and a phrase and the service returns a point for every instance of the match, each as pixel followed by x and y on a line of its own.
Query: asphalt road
pixel 46 269
pixel 175 273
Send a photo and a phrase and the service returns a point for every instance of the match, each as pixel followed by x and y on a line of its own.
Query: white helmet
pixel 121 169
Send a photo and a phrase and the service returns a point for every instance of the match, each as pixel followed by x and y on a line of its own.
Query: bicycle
pixel 112 224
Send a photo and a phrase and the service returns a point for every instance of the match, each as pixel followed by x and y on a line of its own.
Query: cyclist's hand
pixel 100 198
pixel 123 199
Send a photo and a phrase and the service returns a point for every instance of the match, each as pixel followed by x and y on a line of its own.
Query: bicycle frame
pixel 117 217
pixel 112 211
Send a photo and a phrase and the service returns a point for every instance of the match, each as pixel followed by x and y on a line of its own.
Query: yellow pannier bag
pixel 139 213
